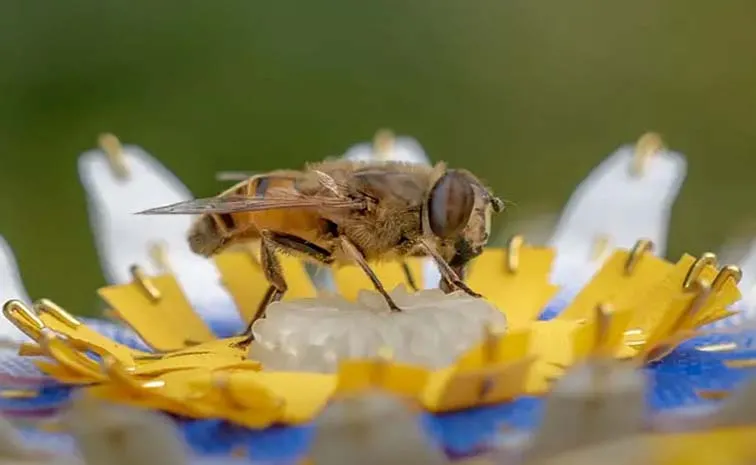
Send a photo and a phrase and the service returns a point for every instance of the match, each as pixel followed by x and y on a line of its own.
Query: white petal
pixel 613 203
pixel 124 239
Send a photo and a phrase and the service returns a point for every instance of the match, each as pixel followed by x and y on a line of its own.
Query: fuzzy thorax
pixel 315 334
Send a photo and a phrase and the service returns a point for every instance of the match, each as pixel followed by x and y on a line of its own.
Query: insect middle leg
pixel 352 250
pixel 452 279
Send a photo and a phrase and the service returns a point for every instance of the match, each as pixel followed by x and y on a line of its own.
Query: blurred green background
pixel 530 94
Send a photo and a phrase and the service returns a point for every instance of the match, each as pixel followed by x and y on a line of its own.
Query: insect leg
pixel 408 276
pixel 450 276
pixel 351 250
pixel 297 244
pixel 273 273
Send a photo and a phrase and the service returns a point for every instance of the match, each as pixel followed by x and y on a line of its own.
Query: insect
pixel 339 212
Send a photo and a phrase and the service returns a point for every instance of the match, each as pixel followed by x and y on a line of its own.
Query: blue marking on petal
pixel 466 431
pixel 676 378
pixel 459 433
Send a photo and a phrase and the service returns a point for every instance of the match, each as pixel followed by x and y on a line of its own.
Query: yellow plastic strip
pixel 358 376
pixel 722 446
pixel 350 279
pixel 586 337
pixel 522 293
pixel 662 305
pixel 244 279
pixel 57 319
pixel 165 323
pixel 613 279
pixel 451 390
pixel 511 347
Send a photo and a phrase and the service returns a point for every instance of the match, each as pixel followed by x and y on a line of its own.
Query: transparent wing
pixel 239 203
pixel 234 175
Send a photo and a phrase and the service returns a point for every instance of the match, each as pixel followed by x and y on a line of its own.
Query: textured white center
pixel 432 330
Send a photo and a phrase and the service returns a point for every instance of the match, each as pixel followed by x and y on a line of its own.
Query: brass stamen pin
pixel 113 149
pixel 603 316
pixel 24 319
pixel 648 145
pixel 383 143
pixel 600 246
pixel 706 259
pixel 727 272
pixel 514 245
pixel 149 288
pixel 640 248
pixel 158 252
pixel 51 308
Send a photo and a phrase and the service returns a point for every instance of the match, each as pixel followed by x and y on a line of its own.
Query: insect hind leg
pixel 270 240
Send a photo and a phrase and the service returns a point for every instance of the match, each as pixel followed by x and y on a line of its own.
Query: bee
pixel 341 212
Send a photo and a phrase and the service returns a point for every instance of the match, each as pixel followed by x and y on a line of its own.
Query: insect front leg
pixel 352 250
pixel 450 277
pixel 408 276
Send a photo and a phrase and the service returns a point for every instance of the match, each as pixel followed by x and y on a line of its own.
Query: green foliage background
pixel 530 94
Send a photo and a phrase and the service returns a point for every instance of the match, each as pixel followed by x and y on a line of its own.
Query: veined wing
pixel 234 175
pixel 241 203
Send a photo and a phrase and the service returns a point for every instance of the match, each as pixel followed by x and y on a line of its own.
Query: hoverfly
pixel 340 212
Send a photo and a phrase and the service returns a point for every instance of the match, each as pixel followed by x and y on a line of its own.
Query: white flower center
pixel 313 335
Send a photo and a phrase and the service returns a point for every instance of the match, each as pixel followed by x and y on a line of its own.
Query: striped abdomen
pixel 213 232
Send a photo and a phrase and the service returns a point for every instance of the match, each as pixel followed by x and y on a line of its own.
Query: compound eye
pixel 450 204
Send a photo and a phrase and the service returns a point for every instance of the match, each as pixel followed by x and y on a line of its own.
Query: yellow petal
pixel 244 279
pixel 521 294
pixel 612 281
pixel 724 446
pixel 166 323
pixel 510 347
pixel 350 279
pixel 357 376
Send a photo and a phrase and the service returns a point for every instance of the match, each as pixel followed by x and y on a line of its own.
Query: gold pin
pixel 741 363
pixel 661 351
pixel 383 143
pixel 600 246
pixel 647 146
pixel 113 149
pixel 704 290
pixel 640 248
pixel 707 259
pixel 727 272
pixel 149 288
pixel 159 254
pixel 24 319
pixel 489 356
pixel 51 308
pixel 603 315
pixel 490 345
pixel 514 246
pixel 18 394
